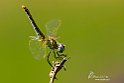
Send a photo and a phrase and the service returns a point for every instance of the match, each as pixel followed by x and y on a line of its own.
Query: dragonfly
pixel 40 42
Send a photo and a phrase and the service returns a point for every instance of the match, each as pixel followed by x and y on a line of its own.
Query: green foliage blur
pixel 92 30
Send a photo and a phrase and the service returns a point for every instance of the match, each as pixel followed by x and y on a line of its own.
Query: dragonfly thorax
pixel 52 44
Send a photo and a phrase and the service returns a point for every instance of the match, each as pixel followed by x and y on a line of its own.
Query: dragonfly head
pixel 61 47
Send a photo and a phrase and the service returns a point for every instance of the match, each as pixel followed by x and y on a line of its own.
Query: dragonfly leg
pixel 48 56
pixel 60 56
pixel 55 54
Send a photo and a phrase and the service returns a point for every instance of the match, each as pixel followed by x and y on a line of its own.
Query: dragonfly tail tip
pixel 23 6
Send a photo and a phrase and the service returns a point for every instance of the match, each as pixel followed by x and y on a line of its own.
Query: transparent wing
pixel 37 48
pixel 52 27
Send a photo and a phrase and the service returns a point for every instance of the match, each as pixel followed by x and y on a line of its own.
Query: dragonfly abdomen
pixel 35 27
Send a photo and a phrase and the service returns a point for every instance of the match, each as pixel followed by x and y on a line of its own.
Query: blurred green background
pixel 93 31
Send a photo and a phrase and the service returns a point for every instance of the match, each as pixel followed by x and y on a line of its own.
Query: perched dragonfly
pixel 40 42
